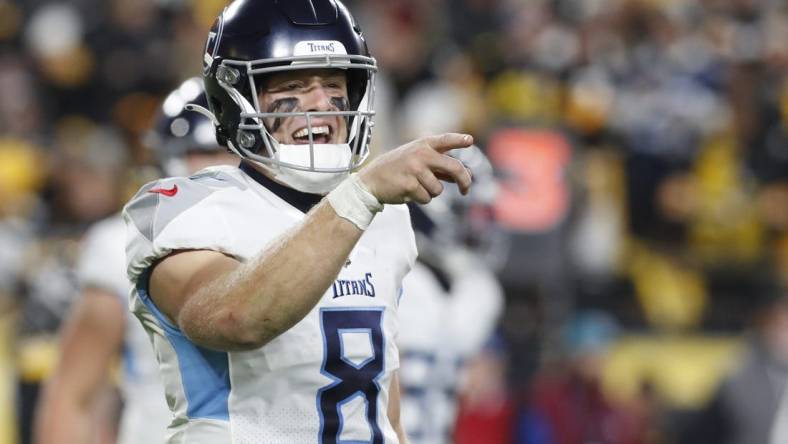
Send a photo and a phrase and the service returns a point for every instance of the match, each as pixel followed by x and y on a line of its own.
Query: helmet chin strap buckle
pixel 202 110
pixel 246 139
pixel 228 75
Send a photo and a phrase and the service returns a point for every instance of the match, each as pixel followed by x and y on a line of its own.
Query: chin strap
pixel 207 113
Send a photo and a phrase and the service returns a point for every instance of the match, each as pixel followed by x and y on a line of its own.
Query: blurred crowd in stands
pixel 642 150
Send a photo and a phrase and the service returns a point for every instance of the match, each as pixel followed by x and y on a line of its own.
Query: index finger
pixel 448 141
pixel 449 169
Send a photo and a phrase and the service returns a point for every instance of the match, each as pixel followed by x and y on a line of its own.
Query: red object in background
pixel 487 422
pixel 575 411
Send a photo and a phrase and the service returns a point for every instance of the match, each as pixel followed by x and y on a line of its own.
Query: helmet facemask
pixel 311 167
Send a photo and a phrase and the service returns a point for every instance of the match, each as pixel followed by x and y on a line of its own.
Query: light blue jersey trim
pixel 205 374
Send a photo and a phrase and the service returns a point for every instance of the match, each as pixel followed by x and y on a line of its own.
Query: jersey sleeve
pixel 174 214
pixel 101 262
pixel 410 235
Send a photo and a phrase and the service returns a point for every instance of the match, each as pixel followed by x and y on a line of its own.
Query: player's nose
pixel 317 98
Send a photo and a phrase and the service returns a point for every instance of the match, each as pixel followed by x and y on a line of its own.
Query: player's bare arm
pixel 394 409
pixel 94 330
pixel 221 303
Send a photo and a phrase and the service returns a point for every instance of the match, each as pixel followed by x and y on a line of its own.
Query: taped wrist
pixel 352 201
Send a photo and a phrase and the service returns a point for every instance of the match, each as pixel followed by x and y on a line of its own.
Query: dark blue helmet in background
pixel 178 131
pixel 252 39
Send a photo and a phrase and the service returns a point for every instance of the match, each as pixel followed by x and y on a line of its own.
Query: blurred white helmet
pixel 452 220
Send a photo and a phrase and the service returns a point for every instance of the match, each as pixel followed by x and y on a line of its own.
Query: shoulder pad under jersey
pixel 159 202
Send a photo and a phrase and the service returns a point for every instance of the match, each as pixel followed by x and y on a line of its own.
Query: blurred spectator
pixel 486 414
pixel 20 113
pixel 566 404
pixel 84 184
pixel 744 409
pixel 20 179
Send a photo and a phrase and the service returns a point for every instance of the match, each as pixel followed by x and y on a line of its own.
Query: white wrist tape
pixel 352 200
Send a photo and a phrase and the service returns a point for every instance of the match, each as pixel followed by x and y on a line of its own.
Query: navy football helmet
pixel 252 39
pixel 177 131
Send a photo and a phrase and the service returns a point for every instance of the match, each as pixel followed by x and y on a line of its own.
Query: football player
pixel 452 300
pixel 271 288
pixel 99 327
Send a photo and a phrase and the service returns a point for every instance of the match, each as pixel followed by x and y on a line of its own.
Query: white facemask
pixel 327 156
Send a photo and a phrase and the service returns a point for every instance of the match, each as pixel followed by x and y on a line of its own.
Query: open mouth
pixel 320 134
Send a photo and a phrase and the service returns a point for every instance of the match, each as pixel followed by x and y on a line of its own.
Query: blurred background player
pixel 98 328
pixel 84 184
pixel 451 300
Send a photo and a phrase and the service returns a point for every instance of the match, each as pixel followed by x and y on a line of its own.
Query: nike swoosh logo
pixel 167 192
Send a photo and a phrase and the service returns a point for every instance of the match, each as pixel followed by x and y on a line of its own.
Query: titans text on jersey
pixel 361 287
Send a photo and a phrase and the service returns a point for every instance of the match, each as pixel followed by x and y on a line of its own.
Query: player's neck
pixel 300 200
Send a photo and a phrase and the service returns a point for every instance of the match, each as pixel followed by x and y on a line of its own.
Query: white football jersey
pixel 326 379
pixel 439 328
pixel 102 264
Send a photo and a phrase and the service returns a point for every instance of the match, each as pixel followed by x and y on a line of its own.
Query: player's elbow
pixel 228 330
pixel 244 337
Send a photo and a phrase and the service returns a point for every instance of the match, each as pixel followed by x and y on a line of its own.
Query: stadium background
pixel 642 148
